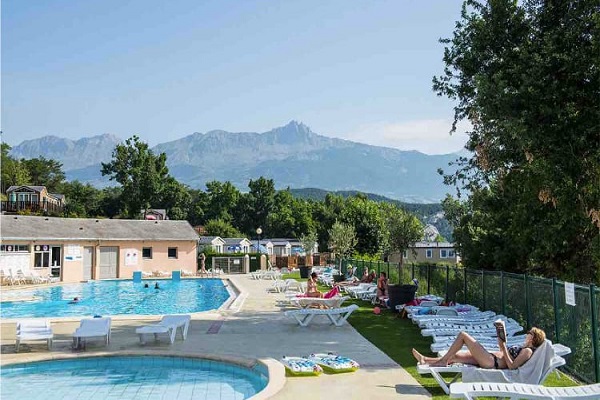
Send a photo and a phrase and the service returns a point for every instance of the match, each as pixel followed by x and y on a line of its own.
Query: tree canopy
pixel 526 77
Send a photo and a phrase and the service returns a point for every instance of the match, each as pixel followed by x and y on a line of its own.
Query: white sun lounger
pixel 92 328
pixel 515 391
pixel 168 324
pixel 543 361
pixel 337 316
pixel 333 302
pixel 33 330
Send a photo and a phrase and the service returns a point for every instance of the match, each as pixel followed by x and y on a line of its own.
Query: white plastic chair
pixel 33 330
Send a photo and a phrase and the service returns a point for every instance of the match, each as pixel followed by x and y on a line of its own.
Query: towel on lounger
pixel 532 372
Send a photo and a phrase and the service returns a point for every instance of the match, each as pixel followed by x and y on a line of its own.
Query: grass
pixel 397 336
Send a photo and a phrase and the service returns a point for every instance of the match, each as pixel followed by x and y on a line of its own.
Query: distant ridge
pixel 292 155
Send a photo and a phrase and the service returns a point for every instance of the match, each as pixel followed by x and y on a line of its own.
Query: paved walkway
pixel 258 330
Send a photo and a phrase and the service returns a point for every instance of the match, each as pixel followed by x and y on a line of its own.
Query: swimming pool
pixel 132 377
pixel 116 297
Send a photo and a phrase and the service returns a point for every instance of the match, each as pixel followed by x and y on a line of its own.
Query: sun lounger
pixel 542 363
pixel 33 330
pixel 92 328
pixel 169 325
pixel 337 316
pixel 473 390
pixel 333 302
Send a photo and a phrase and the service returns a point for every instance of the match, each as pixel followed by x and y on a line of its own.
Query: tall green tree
pixel 45 172
pixel 14 172
pixel 255 206
pixel 342 240
pixel 526 76
pixel 218 227
pixel 142 175
pixel 404 229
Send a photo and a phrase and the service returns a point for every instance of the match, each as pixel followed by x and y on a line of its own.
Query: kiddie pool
pixel 132 377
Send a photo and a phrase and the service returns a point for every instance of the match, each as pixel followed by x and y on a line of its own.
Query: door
pixel 88 262
pixel 108 262
pixel 56 260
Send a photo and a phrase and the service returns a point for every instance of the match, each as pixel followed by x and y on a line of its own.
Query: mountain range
pixel 292 155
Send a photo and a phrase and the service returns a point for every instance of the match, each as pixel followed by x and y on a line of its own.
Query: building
pixel 34 199
pixel 236 245
pixel 266 246
pixel 211 243
pixel 78 249
pixel 428 252
pixel 155 214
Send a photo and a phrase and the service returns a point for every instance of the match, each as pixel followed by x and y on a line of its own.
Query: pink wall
pixel 72 270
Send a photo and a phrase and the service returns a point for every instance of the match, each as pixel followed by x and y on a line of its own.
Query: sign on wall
pixel 73 252
pixel 131 257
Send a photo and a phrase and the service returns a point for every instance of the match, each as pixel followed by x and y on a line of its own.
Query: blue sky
pixel 357 70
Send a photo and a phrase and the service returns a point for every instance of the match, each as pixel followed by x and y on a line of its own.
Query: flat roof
pixel 19 227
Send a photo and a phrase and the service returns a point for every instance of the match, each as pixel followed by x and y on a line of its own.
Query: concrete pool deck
pixel 259 330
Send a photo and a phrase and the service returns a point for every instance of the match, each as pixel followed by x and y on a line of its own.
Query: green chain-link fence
pixel 532 301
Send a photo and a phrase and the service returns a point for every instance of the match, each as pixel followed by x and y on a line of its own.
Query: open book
pixel 500 329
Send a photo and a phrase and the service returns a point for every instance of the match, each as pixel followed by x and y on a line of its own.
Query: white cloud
pixel 430 136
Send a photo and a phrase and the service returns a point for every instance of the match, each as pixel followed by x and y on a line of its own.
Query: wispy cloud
pixel 430 136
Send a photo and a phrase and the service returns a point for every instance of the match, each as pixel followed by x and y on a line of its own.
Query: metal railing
pixel 43 206
pixel 532 301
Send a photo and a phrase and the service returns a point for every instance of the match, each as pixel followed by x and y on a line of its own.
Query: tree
pixel 364 215
pixel 141 174
pixel 14 172
pixel 342 239
pixel 221 200
pixel 404 229
pixel 525 74
pixel 254 207
pixel 45 172
pixel 218 227
pixel 308 241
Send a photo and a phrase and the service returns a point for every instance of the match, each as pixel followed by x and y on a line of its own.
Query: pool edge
pixel 276 371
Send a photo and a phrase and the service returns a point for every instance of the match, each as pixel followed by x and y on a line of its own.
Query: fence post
pixel 447 281
pixel 502 294
pixel 483 289
pixel 428 278
pixel 412 273
pixel 527 302
pixel 595 338
pixel 556 316
pixel 465 285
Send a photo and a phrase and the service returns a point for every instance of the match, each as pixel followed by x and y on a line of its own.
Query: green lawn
pixel 396 337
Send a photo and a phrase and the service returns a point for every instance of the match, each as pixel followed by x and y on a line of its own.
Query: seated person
pixel 351 280
pixel 311 287
pixel 507 358
pixel 372 276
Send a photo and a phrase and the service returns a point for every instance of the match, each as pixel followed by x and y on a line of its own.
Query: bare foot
pixel 419 357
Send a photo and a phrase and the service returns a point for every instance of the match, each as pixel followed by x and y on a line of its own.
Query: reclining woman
pixel 311 287
pixel 507 358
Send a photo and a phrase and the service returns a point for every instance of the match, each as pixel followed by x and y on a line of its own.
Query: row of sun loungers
pixel 100 328
pixel 19 277
pixel 443 324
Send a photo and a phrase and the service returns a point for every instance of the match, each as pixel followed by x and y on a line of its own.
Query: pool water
pixel 131 377
pixel 117 297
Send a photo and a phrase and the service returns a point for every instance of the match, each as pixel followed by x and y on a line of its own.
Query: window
pixel 41 256
pixel 147 252
pixel 172 252
pixel 429 253
pixel 443 253
pixel 18 248
pixel 451 254
pixel 405 254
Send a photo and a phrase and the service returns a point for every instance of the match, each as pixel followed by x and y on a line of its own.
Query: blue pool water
pixel 116 298
pixel 131 377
